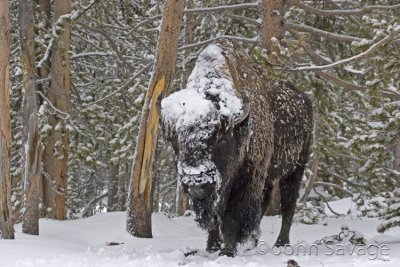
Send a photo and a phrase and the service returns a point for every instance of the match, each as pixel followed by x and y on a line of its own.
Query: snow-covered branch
pixel 209 41
pixel 340 12
pixel 57 29
pixel 364 54
pixel 322 33
pixel 90 54
pixel 52 106
pixel 221 8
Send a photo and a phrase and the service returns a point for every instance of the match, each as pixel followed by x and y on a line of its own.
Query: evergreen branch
pixel 124 86
pixel 322 33
pixel 364 54
pixel 340 12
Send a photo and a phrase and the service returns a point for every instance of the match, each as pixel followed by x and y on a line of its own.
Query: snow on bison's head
pixel 196 118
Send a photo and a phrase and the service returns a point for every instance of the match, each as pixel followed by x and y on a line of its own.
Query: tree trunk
pixel 56 151
pixel 6 219
pixel 274 207
pixel 310 183
pixel 46 190
pixel 396 160
pixel 122 182
pixel 112 202
pixel 314 167
pixel 140 203
pixel 181 197
pixel 189 25
pixel 271 14
pixel 182 201
pixel 32 151
pixel 272 22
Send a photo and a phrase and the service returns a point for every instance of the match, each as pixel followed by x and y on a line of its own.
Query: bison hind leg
pixel 289 189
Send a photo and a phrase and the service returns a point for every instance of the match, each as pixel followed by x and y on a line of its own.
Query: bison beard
pixel 234 132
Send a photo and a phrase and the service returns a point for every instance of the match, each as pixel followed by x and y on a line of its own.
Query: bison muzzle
pixel 234 132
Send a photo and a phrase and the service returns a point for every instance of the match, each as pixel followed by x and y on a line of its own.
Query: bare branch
pixel 364 54
pixel 326 202
pixel 333 186
pixel 124 86
pixel 322 33
pixel 111 42
pixel 221 8
pixel 243 18
pixel 59 24
pixel 340 12
pixel 346 85
pixel 90 54
pixel 86 208
pixel 237 38
pixel 343 179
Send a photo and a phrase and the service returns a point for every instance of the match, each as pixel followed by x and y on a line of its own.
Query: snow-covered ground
pixel 83 243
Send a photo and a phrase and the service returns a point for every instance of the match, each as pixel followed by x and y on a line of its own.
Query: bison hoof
pixel 212 249
pixel 228 253
pixel 281 242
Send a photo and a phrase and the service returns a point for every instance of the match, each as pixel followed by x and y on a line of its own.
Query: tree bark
pixel 32 151
pixel 6 218
pixel 272 12
pixel 112 201
pixel 55 163
pixel 139 202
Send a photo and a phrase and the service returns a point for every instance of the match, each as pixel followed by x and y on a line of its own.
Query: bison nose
pixel 199 191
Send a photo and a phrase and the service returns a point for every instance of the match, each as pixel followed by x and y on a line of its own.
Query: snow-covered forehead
pixel 209 93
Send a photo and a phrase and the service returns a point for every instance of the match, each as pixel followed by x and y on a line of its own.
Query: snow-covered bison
pixel 234 132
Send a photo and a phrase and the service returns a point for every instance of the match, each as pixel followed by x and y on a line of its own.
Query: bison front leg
pixel 229 236
pixel 213 241
pixel 289 189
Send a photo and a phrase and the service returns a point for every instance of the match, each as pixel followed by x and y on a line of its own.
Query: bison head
pixel 195 120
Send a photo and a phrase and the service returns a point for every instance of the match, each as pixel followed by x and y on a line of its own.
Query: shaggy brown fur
pixel 272 141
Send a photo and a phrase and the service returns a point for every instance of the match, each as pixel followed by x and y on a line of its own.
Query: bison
pixel 234 132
